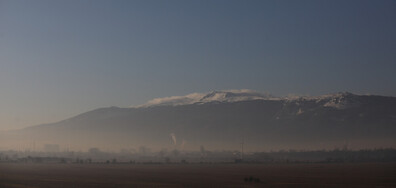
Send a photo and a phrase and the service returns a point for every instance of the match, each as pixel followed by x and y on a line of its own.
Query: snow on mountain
pixel 174 100
pixel 342 101
pixel 215 96
pixel 234 96
pixel 339 100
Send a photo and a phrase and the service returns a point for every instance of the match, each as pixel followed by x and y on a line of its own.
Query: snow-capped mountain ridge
pixel 338 100
pixel 214 96
pixel 234 96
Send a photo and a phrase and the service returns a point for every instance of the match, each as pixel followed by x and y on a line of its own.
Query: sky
pixel 62 58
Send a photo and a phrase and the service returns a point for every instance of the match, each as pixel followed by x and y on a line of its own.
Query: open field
pixel 197 175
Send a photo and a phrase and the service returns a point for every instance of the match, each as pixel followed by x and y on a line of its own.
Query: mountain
pixel 222 120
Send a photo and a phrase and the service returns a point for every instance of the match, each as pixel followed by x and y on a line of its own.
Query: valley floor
pixel 198 175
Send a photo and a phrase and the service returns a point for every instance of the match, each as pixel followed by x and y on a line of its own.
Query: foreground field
pixel 198 175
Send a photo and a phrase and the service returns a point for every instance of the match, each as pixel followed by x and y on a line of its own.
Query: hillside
pixel 222 120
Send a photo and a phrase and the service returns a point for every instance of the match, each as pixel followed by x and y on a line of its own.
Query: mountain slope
pixel 221 120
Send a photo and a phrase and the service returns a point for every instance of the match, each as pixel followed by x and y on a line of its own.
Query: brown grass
pixel 198 175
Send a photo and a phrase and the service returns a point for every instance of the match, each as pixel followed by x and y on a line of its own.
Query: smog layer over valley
pixel 197 93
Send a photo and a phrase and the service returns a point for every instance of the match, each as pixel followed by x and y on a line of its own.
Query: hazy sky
pixel 62 58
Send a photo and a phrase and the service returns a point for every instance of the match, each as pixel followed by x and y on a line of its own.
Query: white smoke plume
pixel 173 136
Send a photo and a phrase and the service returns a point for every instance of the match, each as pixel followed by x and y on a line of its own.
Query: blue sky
pixel 62 58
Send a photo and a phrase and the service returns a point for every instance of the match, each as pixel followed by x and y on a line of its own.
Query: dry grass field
pixel 198 175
